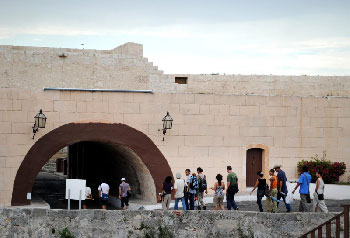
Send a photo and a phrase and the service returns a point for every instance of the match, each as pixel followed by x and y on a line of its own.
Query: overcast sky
pixel 289 37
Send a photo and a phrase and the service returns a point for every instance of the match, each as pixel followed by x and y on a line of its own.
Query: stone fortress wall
pixel 216 117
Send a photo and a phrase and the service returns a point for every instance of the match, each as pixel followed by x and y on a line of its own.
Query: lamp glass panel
pixel 42 121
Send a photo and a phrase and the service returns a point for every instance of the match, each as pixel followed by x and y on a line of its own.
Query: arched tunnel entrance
pixel 96 151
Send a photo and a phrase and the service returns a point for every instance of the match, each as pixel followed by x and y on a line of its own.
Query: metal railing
pixel 328 225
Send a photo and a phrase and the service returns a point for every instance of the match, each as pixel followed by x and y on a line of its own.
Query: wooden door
pixel 253 165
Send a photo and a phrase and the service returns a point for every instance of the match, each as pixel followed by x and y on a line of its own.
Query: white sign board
pixel 75 186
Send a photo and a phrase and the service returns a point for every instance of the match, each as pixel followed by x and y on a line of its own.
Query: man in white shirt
pixel 88 196
pixel 103 191
pixel 179 186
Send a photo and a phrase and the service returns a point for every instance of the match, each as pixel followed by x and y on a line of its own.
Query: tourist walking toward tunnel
pixel 124 193
pixel 219 188
pixel 318 201
pixel 166 193
pixel 179 188
pixel 282 186
pixel 103 193
pixel 304 183
pixel 261 185
pixel 202 187
pixel 232 189
pixel 272 193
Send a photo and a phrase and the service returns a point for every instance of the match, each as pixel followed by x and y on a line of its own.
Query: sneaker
pixel 204 208
pixel 288 210
pixel 236 209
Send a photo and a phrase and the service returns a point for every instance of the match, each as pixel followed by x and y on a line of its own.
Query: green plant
pixel 65 233
pixel 331 170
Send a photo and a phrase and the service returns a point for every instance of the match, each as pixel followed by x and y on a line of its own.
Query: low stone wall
pixel 15 222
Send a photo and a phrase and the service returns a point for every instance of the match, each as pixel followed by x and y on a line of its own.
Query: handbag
pixel 308 198
pixel 320 196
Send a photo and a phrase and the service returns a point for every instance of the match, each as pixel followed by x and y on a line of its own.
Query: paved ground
pixel 333 206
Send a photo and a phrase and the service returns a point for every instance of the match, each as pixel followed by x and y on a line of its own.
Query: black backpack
pixel 202 184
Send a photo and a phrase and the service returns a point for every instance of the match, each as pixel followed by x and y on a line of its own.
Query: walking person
pixel 282 186
pixel 318 200
pixel 88 196
pixel 187 189
pixel 261 185
pixel 193 191
pixel 202 187
pixel 167 187
pixel 219 188
pixel 124 193
pixel 232 189
pixel 272 193
pixel 179 187
pixel 304 183
pixel 103 193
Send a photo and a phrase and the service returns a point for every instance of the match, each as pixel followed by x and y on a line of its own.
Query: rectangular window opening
pixel 181 80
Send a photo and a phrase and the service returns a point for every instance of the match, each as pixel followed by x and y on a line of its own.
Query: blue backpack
pixel 194 183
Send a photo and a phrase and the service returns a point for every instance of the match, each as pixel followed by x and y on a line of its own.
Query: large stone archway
pixel 72 133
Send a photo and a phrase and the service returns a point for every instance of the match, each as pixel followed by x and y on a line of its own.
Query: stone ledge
pixel 17 222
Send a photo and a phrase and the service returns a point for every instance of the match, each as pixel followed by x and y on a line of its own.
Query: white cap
pixel 123 179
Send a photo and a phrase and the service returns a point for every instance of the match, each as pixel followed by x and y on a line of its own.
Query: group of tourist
pixel 192 187
pixel 103 194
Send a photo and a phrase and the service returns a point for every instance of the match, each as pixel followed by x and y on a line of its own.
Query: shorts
pixel 103 202
pixel 218 201
pixel 125 200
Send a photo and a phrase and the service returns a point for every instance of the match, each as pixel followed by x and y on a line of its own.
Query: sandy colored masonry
pixel 216 117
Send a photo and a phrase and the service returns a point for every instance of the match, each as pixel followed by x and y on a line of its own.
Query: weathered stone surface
pixel 99 223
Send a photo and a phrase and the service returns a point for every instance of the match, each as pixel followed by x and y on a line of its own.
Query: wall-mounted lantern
pixel 167 123
pixel 40 121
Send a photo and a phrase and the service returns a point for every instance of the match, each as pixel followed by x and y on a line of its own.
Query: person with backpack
pixel 272 193
pixel 103 192
pixel 202 187
pixel 232 189
pixel 219 188
pixel 194 185
pixel 282 186
pixel 179 188
pixel 124 191
pixel 187 189
pixel 304 183
pixel 261 185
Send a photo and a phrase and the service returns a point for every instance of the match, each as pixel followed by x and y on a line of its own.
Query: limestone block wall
pixel 209 130
pixel 36 67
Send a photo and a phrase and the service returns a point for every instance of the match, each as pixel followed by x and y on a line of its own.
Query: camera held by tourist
pixel 261 185
pixel 124 193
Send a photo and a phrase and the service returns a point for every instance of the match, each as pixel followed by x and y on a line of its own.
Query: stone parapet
pixel 99 223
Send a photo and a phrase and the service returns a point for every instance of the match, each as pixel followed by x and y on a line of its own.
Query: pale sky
pixel 289 37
